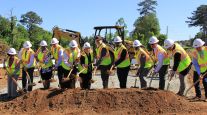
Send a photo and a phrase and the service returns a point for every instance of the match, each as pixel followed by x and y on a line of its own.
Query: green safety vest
pixel 80 67
pixel 41 56
pixel 12 68
pixel 106 59
pixel 185 59
pixel 159 49
pixel 148 63
pixel 202 60
pixel 26 55
pixel 117 54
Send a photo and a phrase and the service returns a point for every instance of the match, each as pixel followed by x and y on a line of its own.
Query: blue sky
pixel 83 15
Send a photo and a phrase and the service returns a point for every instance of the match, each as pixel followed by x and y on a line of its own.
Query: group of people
pixel 73 63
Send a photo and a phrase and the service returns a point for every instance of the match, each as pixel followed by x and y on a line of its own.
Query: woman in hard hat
pixel 86 61
pixel 45 63
pixel 163 60
pixel 122 61
pixel 145 62
pixel 200 63
pixel 12 67
pixel 71 58
pixel 57 53
pixel 182 62
pixel 27 56
pixel 104 60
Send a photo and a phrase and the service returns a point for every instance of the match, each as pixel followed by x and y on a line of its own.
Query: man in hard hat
pixel 122 61
pixel 104 60
pixel 86 61
pixel 57 53
pixel 162 59
pixel 45 63
pixel 200 63
pixel 27 56
pixel 145 62
pixel 12 67
pixel 182 62
pixel 71 58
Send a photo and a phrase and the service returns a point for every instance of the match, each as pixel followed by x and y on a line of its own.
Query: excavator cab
pixel 66 35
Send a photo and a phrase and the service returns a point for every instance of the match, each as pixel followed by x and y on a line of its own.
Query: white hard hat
pixel 136 43
pixel 168 43
pixel 43 43
pixel 153 40
pixel 12 51
pixel 198 43
pixel 86 45
pixel 54 41
pixel 27 44
pixel 73 44
pixel 117 39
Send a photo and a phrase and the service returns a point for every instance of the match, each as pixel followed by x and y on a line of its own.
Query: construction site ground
pixel 102 101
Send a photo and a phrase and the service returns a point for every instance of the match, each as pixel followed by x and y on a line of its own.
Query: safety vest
pixel 12 68
pixel 202 59
pixel 106 59
pixel 55 51
pixel 72 54
pixel 80 67
pixel 117 54
pixel 26 55
pixel 148 62
pixel 44 60
pixel 185 59
pixel 158 50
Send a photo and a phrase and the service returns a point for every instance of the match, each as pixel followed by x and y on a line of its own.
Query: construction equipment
pixel 66 35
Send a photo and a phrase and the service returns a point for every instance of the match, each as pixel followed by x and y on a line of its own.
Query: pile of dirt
pixel 99 101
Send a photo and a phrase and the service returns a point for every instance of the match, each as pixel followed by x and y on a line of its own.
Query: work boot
pixel 196 98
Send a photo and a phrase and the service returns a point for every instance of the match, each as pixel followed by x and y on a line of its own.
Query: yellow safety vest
pixel 12 68
pixel 80 67
pixel 117 54
pixel 72 54
pixel 55 51
pixel 158 50
pixel 148 63
pixel 202 60
pixel 185 59
pixel 106 59
pixel 42 57
pixel 26 55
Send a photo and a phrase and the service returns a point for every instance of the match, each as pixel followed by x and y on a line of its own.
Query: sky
pixel 83 15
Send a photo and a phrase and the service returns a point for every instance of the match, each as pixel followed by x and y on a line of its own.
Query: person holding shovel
pixel 86 61
pixel 122 61
pixel 162 60
pixel 12 67
pixel 182 62
pixel 71 58
pixel 200 63
pixel 145 62
pixel 45 63
pixel 104 60
pixel 26 55
pixel 57 53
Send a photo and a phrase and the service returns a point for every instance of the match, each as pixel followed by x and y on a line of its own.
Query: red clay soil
pixel 100 101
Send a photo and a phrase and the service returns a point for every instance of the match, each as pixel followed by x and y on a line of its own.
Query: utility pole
pixel 12 25
pixel 167 32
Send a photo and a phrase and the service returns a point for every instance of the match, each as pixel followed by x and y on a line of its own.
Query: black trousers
pixel 197 86
pixel 60 73
pixel 105 75
pixel 122 76
pixel 71 82
pixel 143 73
pixel 162 73
pixel 86 80
pixel 25 81
pixel 46 75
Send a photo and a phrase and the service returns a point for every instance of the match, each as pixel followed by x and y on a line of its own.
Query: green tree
pixel 199 18
pixel 121 22
pixel 31 20
pixel 147 7
pixel 145 27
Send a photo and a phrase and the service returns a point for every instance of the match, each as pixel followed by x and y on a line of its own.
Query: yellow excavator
pixel 66 35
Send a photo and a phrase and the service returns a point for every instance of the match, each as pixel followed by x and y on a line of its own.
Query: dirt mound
pixel 110 101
